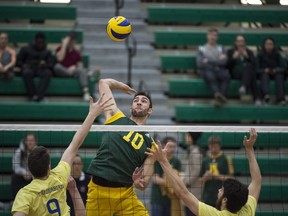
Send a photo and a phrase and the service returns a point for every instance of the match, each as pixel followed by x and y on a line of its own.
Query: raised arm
pixel 94 110
pixel 106 86
pixel 174 180
pixel 78 204
pixel 60 55
pixel 255 185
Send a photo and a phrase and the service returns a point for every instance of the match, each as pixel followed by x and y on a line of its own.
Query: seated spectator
pixel 242 66
pixel 271 65
pixel 211 62
pixel 82 180
pixel 36 60
pixel 21 175
pixel 69 63
pixel 7 57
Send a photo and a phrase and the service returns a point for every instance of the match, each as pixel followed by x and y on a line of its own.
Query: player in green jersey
pixel 111 191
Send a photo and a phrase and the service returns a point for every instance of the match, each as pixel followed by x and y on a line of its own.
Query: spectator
pixel 163 200
pixel 192 170
pixel 271 65
pixel 242 66
pixel 36 60
pixel 211 62
pixel 69 63
pixel 7 57
pixel 21 175
pixel 215 169
pixel 82 181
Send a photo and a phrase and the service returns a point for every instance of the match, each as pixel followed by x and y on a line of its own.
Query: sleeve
pixel 58 49
pixel 79 58
pixel 114 118
pixel 202 170
pixel 252 204
pixel 206 210
pixel 281 64
pixel 21 57
pixel 157 168
pixel 22 202
pixel 199 59
pixel 16 163
pixel 62 171
pixel 259 68
pixel 230 60
pixel 50 60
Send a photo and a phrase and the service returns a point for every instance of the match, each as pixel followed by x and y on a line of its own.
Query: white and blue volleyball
pixel 118 28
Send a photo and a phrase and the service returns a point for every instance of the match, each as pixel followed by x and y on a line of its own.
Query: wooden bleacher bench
pixel 193 13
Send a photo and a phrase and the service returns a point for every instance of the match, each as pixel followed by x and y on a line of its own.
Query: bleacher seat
pixel 197 87
pixel 50 139
pixel 175 37
pixel 233 113
pixel 26 35
pixel 32 11
pixel 185 14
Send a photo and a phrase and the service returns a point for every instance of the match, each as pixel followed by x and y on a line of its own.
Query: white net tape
pixel 148 128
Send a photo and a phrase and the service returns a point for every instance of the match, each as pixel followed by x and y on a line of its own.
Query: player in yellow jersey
pixel 233 198
pixel 46 194
pixel 111 191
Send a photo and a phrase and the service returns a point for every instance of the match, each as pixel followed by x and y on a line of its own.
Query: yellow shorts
pixel 107 201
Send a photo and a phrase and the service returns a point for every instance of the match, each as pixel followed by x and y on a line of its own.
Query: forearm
pixel 253 166
pixel 78 204
pixel 174 180
pixel 111 83
pixel 60 55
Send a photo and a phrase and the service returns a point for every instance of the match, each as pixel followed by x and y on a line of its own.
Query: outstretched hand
pixel 157 153
pixel 249 143
pixel 100 105
pixel 127 89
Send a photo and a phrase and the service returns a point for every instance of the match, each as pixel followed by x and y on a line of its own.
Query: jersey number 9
pixel 53 207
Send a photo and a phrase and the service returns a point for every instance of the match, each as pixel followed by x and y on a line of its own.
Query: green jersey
pixel 120 152
pixel 219 165
pixel 156 193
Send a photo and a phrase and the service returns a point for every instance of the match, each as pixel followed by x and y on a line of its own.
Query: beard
pixel 139 114
pixel 219 203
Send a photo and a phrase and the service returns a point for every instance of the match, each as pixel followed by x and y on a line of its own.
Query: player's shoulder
pixel 116 118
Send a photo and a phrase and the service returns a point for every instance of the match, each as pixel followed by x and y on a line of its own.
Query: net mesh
pixel 271 151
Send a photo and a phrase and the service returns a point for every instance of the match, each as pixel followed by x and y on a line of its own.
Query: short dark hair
pixel 214 139
pixel 73 35
pixel 39 161
pixel 236 194
pixel 212 30
pixel 40 35
pixel 167 139
pixel 195 136
pixel 146 94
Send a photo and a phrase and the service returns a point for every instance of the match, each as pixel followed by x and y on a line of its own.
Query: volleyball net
pixel 271 150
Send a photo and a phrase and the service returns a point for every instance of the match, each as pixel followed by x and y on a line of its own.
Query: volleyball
pixel 118 28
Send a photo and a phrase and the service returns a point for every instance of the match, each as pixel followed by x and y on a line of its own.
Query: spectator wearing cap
pixel 35 60
pixel 215 169
pixel 69 63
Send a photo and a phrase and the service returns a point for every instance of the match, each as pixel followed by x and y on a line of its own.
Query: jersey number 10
pixel 137 140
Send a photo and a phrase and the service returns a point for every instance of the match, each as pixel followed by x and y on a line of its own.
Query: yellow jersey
pixel 45 197
pixel 247 210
